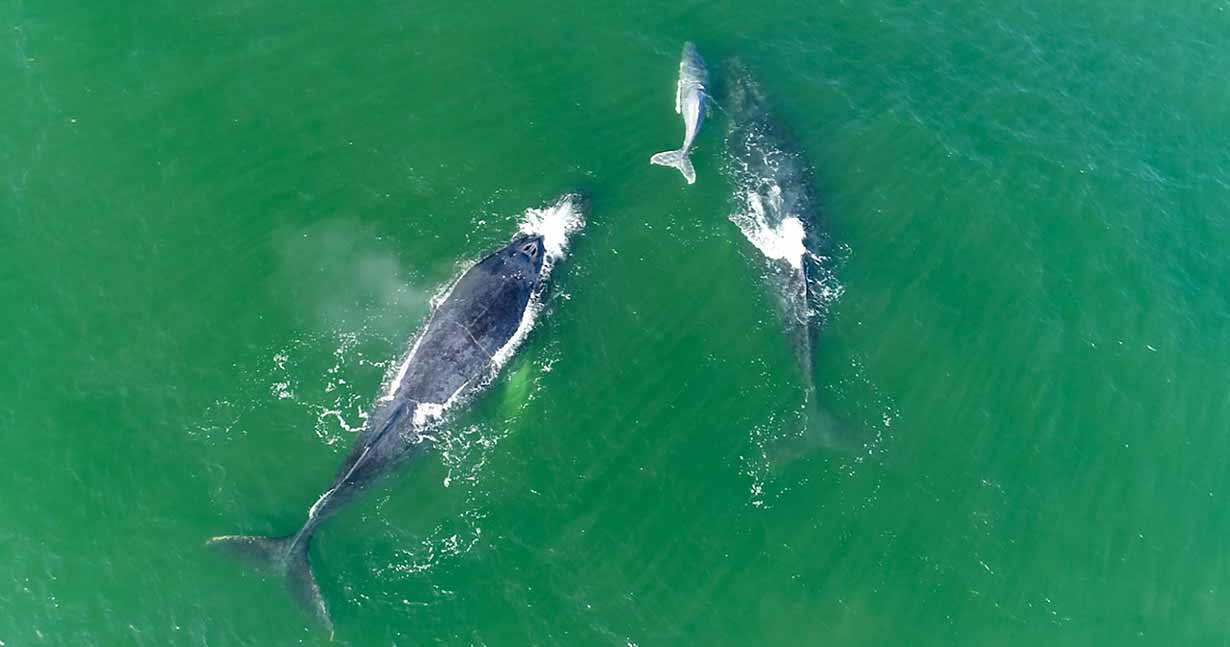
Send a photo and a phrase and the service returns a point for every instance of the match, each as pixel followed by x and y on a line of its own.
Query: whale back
pixel 480 316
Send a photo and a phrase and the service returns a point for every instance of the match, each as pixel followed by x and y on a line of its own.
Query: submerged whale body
pixel 777 211
pixel 464 340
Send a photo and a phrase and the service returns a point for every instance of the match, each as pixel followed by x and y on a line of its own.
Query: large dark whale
pixel 467 335
pixel 776 210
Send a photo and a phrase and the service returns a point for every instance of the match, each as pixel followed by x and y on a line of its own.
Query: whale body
pixel 463 342
pixel 776 209
pixel 690 95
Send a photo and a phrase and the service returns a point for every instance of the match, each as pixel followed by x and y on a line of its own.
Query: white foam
pixel 429 411
pixel 781 241
pixel 341 421
pixel 556 224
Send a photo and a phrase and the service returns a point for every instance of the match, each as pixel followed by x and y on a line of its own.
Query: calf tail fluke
pixel 285 557
pixel 676 159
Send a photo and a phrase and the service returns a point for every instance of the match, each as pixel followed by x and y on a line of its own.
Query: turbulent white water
pixel 781 240
pixel 556 224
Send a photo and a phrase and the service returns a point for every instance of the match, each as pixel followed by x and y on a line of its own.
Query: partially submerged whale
pixel 777 211
pixel 468 337
pixel 690 96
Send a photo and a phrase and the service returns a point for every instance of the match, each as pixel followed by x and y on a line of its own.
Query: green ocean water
pixel 219 225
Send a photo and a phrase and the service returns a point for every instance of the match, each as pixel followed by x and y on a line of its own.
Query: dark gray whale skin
pixel 479 316
pixel 764 161
pixel 454 352
pixel 769 166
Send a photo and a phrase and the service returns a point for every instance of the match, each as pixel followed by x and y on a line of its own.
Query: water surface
pixel 220 224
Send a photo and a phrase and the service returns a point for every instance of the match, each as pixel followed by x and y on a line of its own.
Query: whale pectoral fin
pixel 679 97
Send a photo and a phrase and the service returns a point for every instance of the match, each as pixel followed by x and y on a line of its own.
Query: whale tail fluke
pixel 822 429
pixel 823 432
pixel 286 557
pixel 676 159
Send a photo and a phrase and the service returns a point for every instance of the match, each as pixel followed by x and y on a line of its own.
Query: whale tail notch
pixel 286 557
pixel 676 159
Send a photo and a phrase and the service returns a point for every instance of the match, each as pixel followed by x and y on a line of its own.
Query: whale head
pixel 524 257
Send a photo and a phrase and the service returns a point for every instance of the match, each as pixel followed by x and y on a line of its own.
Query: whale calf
pixel 468 336
pixel 777 211
pixel 690 96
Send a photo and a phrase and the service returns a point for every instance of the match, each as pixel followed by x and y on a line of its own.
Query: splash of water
pixel 556 224
pixel 783 240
